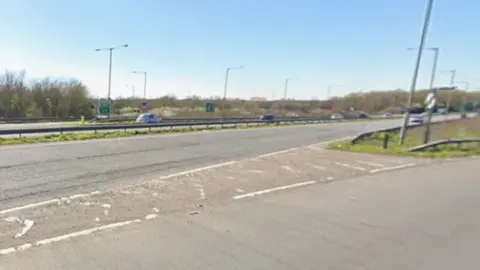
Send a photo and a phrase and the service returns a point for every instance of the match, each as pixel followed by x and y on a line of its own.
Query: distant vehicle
pixel 337 116
pixel 387 115
pixel 267 117
pixel 415 120
pixel 363 116
pixel 148 118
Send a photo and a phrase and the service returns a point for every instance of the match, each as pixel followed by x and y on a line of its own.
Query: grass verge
pixel 119 134
pixel 466 128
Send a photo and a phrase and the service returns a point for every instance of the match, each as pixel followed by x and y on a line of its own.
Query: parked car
pixel 148 118
pixel 415 120
pixel 387 115
pixel 337 116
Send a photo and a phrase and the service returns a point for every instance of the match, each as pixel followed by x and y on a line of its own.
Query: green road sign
pixel 209 107
pixel 103 108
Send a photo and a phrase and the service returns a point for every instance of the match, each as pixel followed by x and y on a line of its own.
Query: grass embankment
pixel 119 134
pixel 467 128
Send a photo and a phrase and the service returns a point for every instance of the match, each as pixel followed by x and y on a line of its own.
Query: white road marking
pixel 196 170
pixel 254 171
pixel 27 225
pixel 393 168
pixel 350 166
pixel 288 169
pixel 85 232
pixel 370 163
pixel 321 168
pixel 277 152
pixel 201 190
pixel 239 190
pixel 151 216
pixel 6 211
pixel 265 191
pixel 156 210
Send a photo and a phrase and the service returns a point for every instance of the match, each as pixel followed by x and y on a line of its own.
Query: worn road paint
pixel 350 166
pixel 393 168
pixel 270 190
pixel 370 163
pixel 277 152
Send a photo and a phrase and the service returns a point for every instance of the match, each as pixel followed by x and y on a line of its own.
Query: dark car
pixel 267 117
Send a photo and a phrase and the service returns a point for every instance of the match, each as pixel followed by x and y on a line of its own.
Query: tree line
pixel 60 97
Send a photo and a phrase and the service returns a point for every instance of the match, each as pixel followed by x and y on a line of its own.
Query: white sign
pixel 430 101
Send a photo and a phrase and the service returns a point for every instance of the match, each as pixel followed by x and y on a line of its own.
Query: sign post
pixel 430 102
pixel 209 107
pixel 103 108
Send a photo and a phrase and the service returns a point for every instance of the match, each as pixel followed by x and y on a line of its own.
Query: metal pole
pixel 110 81
pixel 428 12
pixel 453 73
pixel 110 71
pixel 145 86
pixel 285 89
pixel 226 84
pixel 426 136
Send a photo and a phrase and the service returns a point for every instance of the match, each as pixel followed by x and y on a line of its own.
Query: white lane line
pixel 85 232
pixel 160 179
pixel 277 152
pixel 370 163
pixel 393 168
pixel 6 211
pixel 350 166
pixel 48 202
pixel 265 191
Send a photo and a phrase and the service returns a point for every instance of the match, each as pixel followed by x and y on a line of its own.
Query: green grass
pixel 460 129
pixel 119 134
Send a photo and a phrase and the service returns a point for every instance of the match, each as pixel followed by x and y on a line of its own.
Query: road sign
pixel 144 105
pixel 209 107
pixel 92 106
pixel 430 101
pixel 103 107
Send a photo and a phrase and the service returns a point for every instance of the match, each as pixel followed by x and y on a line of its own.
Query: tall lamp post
pixel 225 87
pixel 110 69
pixel 144 82
pixel 285 90
pixel 426 23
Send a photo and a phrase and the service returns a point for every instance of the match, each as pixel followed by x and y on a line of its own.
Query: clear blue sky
pixel 186 45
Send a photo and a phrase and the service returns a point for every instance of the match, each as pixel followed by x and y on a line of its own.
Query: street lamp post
pixel 225 87
pixel 428 12
pixel 285 90
pixel 144 82
pixel 110 69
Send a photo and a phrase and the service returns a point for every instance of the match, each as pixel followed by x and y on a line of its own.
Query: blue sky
pixel 186 45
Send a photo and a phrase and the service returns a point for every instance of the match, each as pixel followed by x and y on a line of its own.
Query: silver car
pixel 148 118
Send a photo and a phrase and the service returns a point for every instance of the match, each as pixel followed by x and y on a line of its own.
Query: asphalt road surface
pixel 36 172
pixel 392 213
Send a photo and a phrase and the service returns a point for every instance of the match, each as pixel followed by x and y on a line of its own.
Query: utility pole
pixel 428 12
pixel 430 107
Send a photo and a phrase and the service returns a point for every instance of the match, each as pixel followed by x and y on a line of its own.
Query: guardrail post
pixel 385 140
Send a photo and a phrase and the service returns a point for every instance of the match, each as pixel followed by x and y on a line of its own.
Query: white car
pixel 337 116
pixel 148 118
pixel 415 120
